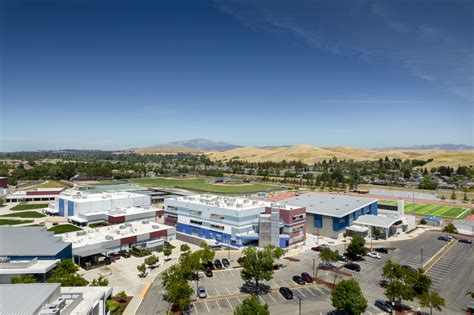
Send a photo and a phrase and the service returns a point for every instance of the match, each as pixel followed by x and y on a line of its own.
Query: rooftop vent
pixel 109 237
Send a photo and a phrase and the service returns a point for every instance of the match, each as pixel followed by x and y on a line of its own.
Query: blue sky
pixel 109 74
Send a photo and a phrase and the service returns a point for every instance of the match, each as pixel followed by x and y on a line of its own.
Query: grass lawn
pixel 49 184
pixel 14 222
pixel 25 214
pixel 64 228
pixel 29 206
pixel 424 209
pixel 199 184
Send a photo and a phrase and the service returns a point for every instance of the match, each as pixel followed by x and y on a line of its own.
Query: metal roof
pixel 26 298
pixel 29 241
pixel 376 220
pixel 328 204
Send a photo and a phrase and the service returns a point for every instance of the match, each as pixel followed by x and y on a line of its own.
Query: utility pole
pixel 421 257
pixel 299 298
pixel 314 261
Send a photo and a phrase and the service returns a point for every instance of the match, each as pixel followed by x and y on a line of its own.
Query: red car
pixel 114 256
pixel 316 248
pixel 307 277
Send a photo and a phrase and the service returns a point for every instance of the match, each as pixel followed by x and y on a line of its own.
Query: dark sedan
pixel 382 250
pixel 286 292
pixel 225 262
pixel 208 272
pixel 384 283
pixel 218 264
pixel 352 266
pixel 465 240
pixel 307 277
pixel 383 305
pixel 299 280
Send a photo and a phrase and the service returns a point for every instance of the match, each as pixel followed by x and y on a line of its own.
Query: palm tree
pixel 432 300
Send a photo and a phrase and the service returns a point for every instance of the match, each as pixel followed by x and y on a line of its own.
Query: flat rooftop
pixel 79 196
pixel 91 236
pixel 122 211
pixel 376 220
pixel 29 241
pixel 25 298
pixel 232 203
pixel 328 204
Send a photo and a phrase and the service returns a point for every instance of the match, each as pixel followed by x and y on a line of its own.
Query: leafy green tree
pixel 185 248
pixel 179 293
pixel 357 246
pixel 450 228
pixel 141 268
pixel 328 256
pixel 471 293
pixel 419 281
pixel 1 202
pixel 377 232
pixel 258 263
pixel 167 251
pixel 400 287
pixel 347 296
pixel 66 274
pixel 453 195
pixel 206 253
pixel 101 281
pixel 431 300
pixel 151 261
pixel 189 263
pixel 252 306
pixel 24 278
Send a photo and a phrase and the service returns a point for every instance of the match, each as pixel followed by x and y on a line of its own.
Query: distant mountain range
pixel 450 147
pixel 189 146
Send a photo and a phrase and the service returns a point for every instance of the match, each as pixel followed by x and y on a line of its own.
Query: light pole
pixel 299 298
pixel 421 249
pixel 314 261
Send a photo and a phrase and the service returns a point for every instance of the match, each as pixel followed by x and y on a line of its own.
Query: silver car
pixel 201 292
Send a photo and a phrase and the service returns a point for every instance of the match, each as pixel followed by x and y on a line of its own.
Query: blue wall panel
pixel 318 221
pixel 61 207
pixel 355 215
pixel 340 223
pixel 70 209
pixel 374 208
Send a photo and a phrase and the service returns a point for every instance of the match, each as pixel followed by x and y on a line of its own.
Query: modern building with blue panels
pixel 232 221
pixel 330 214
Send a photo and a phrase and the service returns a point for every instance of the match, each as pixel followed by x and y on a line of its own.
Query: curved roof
pixel 376 220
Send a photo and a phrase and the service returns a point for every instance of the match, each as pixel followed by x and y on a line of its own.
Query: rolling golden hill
pixel 311 154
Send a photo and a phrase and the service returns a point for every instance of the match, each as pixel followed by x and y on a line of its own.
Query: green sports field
pixel 422 209
pixel 200 185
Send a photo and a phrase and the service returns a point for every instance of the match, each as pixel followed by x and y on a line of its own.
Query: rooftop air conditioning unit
pixel 155 227
pixel 122 227
pixel 145 222
pixel 109 237
pixel 80 233
pixel 129 224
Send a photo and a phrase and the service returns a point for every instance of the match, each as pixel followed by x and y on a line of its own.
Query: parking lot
pixel 452 277
pixel 224 293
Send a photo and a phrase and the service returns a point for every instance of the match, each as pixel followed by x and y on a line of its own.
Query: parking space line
pixel 261 299
pixel 217 292
pixel 276 285
pixel 227 290
pixel 217 302
pixel 205 303
pixel 194 304
pixel 231 307
pixel 310 291
pixel 281 297
pixel 237 290
pixel 286 283
pixel 271 297
pixel 300 292
pixel 240 301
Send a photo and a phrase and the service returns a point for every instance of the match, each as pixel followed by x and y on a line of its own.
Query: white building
pixel 233 221
pixel 80 205
pixel 93 243
pixel 51 298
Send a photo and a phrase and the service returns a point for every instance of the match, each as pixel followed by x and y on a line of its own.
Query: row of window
pixel 215 226
pixel 195 222
pixel 298 217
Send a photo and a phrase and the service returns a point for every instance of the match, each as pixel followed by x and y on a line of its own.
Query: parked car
pixel 319 247
pixel 249 287
pixel 444 238
pixel 381 250
pixel 143 274
pixel 114 256
pixel 208 272
pixel 352 266
pixel 201 292
pixel 383 305
pixel 374 255
pixel 299 280
pixel 225 262
pixel 384 283
pixel 307 277
pixel 353 257
pixel 343 258
pixel 465 240
pixel 217 264
pixel 277 266
pixel 447 236
pixel 286 292
pixel 124 254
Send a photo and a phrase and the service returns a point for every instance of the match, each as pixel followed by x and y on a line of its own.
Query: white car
pixel 374 255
